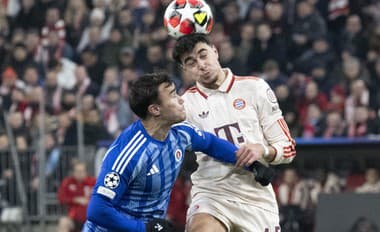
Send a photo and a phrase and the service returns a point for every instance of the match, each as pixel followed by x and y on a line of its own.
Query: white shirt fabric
pixel 241 110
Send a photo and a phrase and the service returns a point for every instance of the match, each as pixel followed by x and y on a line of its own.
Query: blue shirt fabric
pixel 138 173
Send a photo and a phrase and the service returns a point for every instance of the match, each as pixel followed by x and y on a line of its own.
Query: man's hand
pixel 249 153
pixel 159 225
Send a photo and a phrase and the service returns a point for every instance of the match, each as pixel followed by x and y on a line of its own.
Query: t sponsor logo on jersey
pixel 153 170
pixel 178 155
pixel 112 180
pixel 204 114
pixel 271 96
pixel 239 104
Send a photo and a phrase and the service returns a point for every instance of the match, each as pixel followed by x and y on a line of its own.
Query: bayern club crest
pixel 239 104
pixel 178 155
pixel 112 180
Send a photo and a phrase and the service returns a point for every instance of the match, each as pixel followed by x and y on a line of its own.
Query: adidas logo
pixel 158 227
pixel 203 114
pixel 153 170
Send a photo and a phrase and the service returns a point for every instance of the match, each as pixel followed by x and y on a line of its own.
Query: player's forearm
pixel 285 153
pixel 101 212
pixel 220 149
pixel 282 147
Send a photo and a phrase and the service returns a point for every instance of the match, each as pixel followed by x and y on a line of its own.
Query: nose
pixel 201 63
pixel 180 100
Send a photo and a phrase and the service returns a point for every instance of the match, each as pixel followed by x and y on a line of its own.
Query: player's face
pixel 171 107
pixel 203 65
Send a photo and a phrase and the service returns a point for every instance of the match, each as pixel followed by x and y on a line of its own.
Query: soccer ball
pixel 183 17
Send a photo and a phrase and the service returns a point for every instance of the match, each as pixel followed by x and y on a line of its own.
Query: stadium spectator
pixel 337 99
pixel 273 75
pixel 293 198
pixel 374 89
pixel 52 92
pixel 84 85
pixel 265 47
pixel 354 37
pixel 319 55
pixel 286 102
pixel 352 69
pixel 362 123
pixel 275 16
pixel 359 96
pixel 154 59
pixel 255 12
pixel 75 17
pixel 18 58
pixel 29 16
pixel 307 26
pixel 116 114
pixel 313 122
pixel 293 190
pixel 228 59
pixel 245 45
pixel 312 95
pixel 74 193
pixel 20 132
pixel 372 182
pixel 94 65
pixel 94 129
pixel 334 125
pixel 64 69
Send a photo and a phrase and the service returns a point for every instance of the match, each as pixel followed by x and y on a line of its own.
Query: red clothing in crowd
pixel 71 188
pixel 179 201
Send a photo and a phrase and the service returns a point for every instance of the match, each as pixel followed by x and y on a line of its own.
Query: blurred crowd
pixel 298 194
pixel 66 64
pixel 76 57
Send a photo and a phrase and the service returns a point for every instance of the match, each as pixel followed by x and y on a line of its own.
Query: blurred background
pixel 64 72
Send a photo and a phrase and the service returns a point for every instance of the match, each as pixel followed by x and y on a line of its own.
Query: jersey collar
pixel 224 87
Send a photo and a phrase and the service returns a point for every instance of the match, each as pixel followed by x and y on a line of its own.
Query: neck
pixel 219 81
pixel 156 128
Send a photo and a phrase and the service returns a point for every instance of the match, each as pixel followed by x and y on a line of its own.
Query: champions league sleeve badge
pixel 112 180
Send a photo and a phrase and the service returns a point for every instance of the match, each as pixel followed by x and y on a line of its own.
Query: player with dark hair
pixel 139 169
pixel 243 110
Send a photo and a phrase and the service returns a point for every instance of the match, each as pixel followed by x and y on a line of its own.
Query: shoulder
pixel 182 126
pixel 186 127
pixel 247 78
pixel 190 92
pixel 249 82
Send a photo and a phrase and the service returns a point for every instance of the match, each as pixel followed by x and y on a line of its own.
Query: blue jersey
pixel 138 173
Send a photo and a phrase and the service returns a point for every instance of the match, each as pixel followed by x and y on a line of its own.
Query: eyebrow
pixel 189 57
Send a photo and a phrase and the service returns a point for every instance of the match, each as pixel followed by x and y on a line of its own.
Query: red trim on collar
pixel 231 83
pixel 201 93
pixel 195 89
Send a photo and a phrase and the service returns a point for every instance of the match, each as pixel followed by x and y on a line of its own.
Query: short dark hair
pixel 144 92
pixel 186 44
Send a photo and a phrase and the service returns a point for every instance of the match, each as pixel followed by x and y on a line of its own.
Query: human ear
pixel 154 110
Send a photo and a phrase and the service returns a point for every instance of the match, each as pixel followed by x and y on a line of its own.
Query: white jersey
pixel 242 110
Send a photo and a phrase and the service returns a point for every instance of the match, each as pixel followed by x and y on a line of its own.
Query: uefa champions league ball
pixel 183 17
